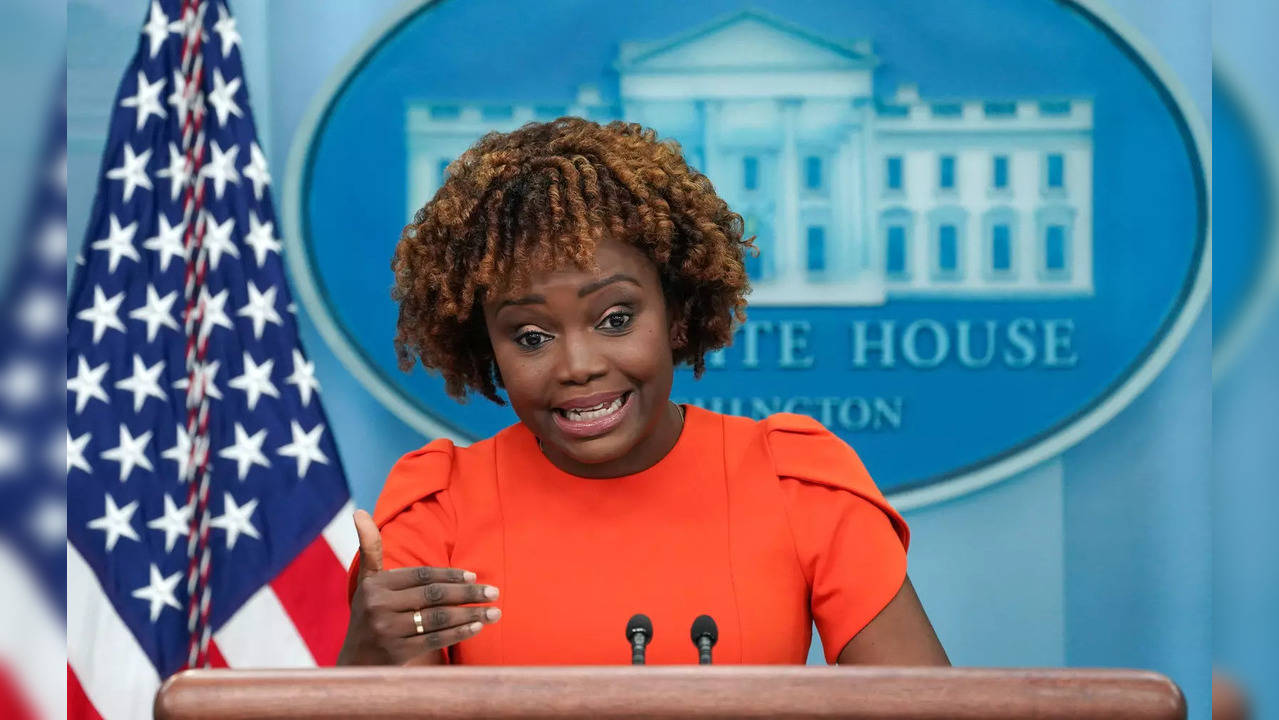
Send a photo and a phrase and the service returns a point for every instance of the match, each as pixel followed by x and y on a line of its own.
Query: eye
pixel 531 340
pixel 619 320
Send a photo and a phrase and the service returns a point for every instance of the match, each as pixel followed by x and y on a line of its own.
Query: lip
pixel 590 400
pixel 583 429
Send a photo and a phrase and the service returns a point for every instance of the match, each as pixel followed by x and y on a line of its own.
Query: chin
pixel 595 451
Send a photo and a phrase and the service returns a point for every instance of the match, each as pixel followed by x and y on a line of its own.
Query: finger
pixel 440 638
pixel 435 595
pixel 407 577
pixel 441 618
pixel 370 544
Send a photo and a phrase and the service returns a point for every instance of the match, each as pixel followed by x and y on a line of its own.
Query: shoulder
pixel 802 450
pixel 425 473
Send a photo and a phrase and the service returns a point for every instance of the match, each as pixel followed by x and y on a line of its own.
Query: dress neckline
pixel 687 443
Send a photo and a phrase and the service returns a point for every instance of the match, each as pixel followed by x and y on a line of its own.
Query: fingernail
pixel 475 627
pixel 492 614
pixel 468 576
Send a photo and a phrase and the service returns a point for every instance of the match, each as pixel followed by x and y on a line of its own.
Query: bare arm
pixel 899 635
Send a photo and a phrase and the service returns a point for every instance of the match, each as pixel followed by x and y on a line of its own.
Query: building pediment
pixel 748 40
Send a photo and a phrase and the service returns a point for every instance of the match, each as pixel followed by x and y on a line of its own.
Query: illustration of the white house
pixel 853 198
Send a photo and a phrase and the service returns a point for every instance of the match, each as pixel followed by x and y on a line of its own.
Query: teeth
pixel 598 411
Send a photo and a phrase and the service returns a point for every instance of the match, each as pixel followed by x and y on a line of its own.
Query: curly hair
pixel 543 195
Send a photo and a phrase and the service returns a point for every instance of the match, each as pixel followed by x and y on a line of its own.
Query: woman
pixel 574 266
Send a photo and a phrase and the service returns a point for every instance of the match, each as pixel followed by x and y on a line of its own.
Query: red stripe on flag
pixel 312 591
pixel 78 705
pixel 215 656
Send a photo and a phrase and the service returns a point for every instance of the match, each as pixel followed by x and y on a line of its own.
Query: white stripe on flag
pixel 261 635
pixel 32 643
pixel 340 532
pixel 117 676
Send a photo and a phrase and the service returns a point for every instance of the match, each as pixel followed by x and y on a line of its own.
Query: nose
pixel 580 360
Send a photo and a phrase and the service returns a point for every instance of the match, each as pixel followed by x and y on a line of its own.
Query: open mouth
pixel 596 412
pixel 585 422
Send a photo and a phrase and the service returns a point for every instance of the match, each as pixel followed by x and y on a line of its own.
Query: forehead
pixel 611 257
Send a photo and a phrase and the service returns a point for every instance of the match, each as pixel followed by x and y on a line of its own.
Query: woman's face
pixel 585 357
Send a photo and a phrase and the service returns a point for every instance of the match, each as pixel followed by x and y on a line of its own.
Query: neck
pixel 647 453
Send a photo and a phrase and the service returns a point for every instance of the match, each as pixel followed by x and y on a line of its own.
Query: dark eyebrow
pixel 619 277
pixel 526 300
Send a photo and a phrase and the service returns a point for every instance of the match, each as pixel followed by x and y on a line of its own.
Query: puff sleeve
pixel 851 543
pixel 414 512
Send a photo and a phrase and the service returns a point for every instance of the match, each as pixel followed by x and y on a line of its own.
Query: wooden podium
pixel 665 692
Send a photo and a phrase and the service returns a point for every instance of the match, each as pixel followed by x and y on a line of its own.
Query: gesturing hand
pixel 383 629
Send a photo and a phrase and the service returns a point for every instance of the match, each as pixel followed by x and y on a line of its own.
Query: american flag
pixel 32 496
pixel 208 514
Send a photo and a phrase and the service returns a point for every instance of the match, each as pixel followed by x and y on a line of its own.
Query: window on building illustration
pixel 1001 248
pixel 946 172
pixel 444 167
pixel 813 172
pixel 1000 109
pixel 893 172
pixel 816 248
pixel 750 172
pixel 999 172
pixel 947 248
pixel 1056 171
pixel 1054 107
pixel 754 262
pixel 1055 248
pixel 895 250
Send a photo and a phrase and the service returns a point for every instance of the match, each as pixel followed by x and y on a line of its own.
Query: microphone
pixel 705 634
pixel 639 633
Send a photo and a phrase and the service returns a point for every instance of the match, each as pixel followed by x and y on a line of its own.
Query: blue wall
pixel 1099 557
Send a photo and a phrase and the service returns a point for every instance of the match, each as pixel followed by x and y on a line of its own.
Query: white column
pixel 790 249
pixel 710 112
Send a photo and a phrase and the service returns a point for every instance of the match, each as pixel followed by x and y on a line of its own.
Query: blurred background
pixel 927 176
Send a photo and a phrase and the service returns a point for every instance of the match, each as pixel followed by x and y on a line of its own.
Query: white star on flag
pixel 261 309
pixel 180 453
pixel 87 384
pixel 118 243
pixel 214 312
pixel 246 451
pixel 75 452
pixel 104 313
pixel 173 522
pixel 305 447
pixel 22 383
pixel 225 28
pixel 41 313
pixel 206 374
pixel 159 592
pixel 130 453
pixel 261 237
pixel 221 167
pixel 167 241
pixel 256 171
pixel 235 520
pixel 217 239
pixel 178 98
pixel 156 312
pixel 256 380
pixel 146 100
pixel 178 172
pixel 303 377
pixel 133 171
pixel 143 383
pixel 116 522
pixel 222 97
pixel 157 28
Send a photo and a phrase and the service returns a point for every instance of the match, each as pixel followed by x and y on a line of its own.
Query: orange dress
pixel 765 526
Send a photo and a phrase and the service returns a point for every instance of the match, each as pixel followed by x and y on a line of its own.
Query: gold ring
pixel 417 621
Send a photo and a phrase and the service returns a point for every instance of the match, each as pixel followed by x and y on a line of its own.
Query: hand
pixel 382 631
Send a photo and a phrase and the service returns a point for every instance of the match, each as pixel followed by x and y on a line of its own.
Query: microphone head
pixel 704 626
pixel 639 623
